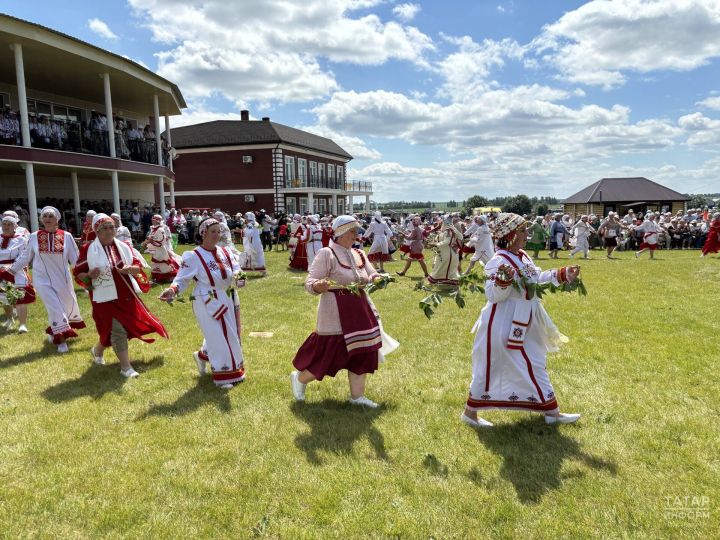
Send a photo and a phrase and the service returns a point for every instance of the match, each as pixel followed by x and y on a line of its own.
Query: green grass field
pixel 85 453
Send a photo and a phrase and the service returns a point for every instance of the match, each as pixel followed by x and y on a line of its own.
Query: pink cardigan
pixel 345 266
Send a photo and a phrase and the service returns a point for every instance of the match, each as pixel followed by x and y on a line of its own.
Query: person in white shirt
pixel 379 250
pixel 650 230
pixel 582 230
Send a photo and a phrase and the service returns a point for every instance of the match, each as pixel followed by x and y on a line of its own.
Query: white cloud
pixel 406 12
pixel 701 129
pixel 354 145
pixel 272 50
pixel 600 42
pixel 101 29
pixel 710 103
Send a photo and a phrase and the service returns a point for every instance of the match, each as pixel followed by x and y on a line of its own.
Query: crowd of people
pixel 90 137
pixel 513 333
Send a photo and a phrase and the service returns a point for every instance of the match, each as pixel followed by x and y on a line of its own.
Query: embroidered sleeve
pixel 188 270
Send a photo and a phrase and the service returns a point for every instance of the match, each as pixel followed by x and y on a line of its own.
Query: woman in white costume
pixel 482 240
pixel 218 314
pixel 50 251
pixel 379 250
pixel 165 262
pixel 122 233
pixel 650 230
pixel 12 245
pixel 313 238
pixel 514 334
pixel 582 230
pixel 445 270
pixel 226 238
pixel 254 255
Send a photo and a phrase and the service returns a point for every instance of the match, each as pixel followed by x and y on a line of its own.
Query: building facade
pixel 78 122
pixel 622 194
pixel 243 165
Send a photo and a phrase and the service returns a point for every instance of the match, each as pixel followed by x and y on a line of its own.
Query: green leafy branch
pixel 541 289
pixel 468 283
pixel 10 294
pixel 379 282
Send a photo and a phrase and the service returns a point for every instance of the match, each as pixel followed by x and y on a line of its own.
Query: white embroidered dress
pixel 50 254
pixel 214 310
pixel 513 336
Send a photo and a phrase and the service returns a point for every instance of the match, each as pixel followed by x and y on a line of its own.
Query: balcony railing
pixel 75 137
pixel 359 186
pixel 313 182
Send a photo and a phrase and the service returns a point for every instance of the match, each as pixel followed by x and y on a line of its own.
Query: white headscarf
pixel 51 210
pixel 343 224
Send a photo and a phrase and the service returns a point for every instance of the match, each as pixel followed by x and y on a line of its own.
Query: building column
pixel 334 205
pixel 367 204
pixel 172 193
pixel 76 197
pixel 169 143
pixel 25 130
pixel 158 142
pixel 350 205
pixel 311 203
pixel 111 140
pixel 161 186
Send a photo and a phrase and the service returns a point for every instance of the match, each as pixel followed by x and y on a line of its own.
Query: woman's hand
pixel 94 273
pixel 321 286
pixel 506 271
pixel 573 272
pixel 167 295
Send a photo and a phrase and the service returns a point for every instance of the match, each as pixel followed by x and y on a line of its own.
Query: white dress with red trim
pixel 514 335
pixel 215 311
pixel 447 257
pixel 254 256
pixel 164 263
pixel 50 255
pixel 379 250
pixel 650 230
pixel 11 247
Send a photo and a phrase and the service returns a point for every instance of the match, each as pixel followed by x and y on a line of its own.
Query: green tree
pixel 698 201
pixel 476 201
pixel 541 209
pixel 519 204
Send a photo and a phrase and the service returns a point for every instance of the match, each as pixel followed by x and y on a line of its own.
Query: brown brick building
pixel 241 165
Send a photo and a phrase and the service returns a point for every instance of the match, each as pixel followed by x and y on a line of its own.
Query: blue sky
pixel 444 99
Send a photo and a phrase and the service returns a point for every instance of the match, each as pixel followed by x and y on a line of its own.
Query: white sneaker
pixel 99 360
pixel 226 386
pixel 479 423
pixel 562 418
pixel 365 402
pixel 298 388
pixel 129 373
pixel 22 329
pixel 63 347
pixel 199 362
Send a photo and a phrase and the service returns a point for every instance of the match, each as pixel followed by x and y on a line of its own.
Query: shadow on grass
pixel 47 350
pixel 533 455
pixel 335 426
pixel 97 381
pixel 203 392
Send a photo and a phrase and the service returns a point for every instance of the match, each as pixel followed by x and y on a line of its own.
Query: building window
pixel 321 175
pixel 302 171
pixel 331 175
pixel 290 176
pixel 290 206
pixel 321 206
pixel 340 177
pixel 313 174
pixel 4 100
pixel 303 205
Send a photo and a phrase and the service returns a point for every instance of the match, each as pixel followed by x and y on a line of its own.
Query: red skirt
pixel 326 355
pixel 417 256
pixel 299 259
pixel 651 247
pixel 712 245
pixel 29 297
pixel 467 249
pixel 379 256
pixel 404 248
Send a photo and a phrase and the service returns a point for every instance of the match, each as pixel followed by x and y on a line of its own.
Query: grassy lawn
pixel 86 454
